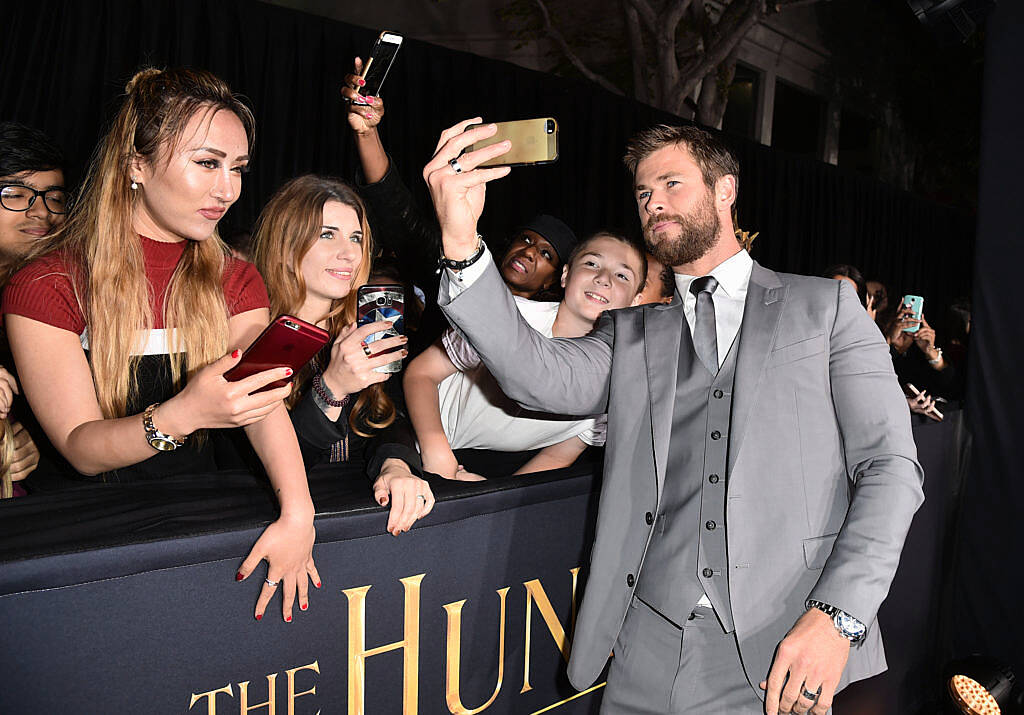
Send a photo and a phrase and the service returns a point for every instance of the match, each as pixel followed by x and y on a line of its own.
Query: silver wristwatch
pixel 157 439
pixel 849 627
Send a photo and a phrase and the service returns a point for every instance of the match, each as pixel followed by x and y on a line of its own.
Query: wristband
pixel 443 262
pixel 324 392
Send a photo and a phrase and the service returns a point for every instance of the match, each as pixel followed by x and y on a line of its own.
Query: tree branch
pixel 637 53
pixel 734 24
pixel 559 40
pixel 647 15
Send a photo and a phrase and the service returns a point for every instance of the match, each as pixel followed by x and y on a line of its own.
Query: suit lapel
pixel 766 297
pixel 663 326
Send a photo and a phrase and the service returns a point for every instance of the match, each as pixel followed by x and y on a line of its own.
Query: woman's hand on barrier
pixel 364 113
pixel 352 365
pixel 26 454
pixel 410 497
pixel 287 547
pixel 8 389
pixel 209 401
pixel 457 186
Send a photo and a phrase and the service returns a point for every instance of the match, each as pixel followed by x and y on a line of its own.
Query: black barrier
pixel 470 611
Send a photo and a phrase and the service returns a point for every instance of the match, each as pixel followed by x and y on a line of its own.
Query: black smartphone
pixel 376 67
pixel 286 342
pixel 382 301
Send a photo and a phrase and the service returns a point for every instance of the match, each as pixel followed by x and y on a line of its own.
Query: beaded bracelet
pixel 324 392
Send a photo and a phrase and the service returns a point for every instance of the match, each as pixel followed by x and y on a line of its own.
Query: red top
pixel 43 290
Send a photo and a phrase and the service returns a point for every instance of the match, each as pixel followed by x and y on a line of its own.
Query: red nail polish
pixel 362 82
pixel 239 576
pixel 288 619
pixel 318 584
pixel 235 353
pixel 287 372
pixel 303 606
pixel 259 616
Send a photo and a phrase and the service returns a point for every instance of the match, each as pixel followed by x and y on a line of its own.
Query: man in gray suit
pixel 760 473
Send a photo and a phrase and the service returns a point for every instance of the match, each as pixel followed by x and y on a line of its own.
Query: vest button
pixel 708 573
pixel 649 518
pixel 719 394
pixel 716 435
pixel 713 479
pixel 710 525
pixel 630 580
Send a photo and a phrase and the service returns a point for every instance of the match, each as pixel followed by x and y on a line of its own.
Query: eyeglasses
pixel 18 197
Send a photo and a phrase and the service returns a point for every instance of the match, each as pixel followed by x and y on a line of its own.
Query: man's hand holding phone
pixel 457 186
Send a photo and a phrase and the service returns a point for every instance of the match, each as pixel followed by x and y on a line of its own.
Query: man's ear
pixel 725 192
pixel 565 274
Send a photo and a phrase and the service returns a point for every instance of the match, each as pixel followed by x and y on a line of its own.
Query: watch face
pixel 849 626
pixel 164 445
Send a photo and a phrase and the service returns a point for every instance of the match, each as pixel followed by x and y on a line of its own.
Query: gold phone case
pixel 534 141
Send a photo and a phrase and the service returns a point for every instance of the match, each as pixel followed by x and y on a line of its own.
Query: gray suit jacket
pixel 823 477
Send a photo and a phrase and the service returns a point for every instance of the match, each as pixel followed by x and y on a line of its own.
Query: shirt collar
pixel 732 274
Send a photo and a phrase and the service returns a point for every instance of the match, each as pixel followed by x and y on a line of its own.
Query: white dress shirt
pixel 733 276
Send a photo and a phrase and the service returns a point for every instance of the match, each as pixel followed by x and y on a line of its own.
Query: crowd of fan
pixel 136 253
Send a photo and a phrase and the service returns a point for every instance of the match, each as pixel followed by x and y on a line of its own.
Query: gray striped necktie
pixel 705 337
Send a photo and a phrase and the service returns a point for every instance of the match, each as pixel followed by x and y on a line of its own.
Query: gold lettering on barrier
pixel 454 659
pixel 211 703
pixel 410 645
pixel 292 695
pixel 535 593
pixel 243 694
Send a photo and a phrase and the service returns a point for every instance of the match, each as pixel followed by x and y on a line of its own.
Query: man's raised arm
pixel 562 376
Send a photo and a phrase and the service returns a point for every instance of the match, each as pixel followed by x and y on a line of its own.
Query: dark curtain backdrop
pixel 65 62
pixel 989 579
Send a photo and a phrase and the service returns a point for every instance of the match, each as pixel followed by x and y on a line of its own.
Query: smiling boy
pixel 454 403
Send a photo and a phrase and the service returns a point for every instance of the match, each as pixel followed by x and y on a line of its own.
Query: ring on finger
pixel 272 584
pixel 420 496
pixel 366 348
pixel 454 163
pixel 809 695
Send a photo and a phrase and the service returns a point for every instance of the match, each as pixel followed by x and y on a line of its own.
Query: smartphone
pixel 534 141
pixel 382 301
pixel 379 62
pixel 917 393
pixel 286 342
pixel 916 304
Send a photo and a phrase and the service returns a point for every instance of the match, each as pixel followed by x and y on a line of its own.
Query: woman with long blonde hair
pixel 122 329
pixel 314 247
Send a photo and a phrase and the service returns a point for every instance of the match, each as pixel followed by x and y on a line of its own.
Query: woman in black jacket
pixel 313 246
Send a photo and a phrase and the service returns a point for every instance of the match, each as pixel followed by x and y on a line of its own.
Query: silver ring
pixel 366 348
pixel 272 584
pixel 454 163
pixel 420 496
pixel 809 695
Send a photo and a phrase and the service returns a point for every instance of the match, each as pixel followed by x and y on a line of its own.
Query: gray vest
pixel 687 553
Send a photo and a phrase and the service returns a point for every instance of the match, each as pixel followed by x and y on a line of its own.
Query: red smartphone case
pixel 286 342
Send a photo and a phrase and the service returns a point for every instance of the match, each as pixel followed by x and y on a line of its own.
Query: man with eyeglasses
pixel 32 193
pixel 33 202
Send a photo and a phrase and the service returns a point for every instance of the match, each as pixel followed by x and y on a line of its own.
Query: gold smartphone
pixel 534 141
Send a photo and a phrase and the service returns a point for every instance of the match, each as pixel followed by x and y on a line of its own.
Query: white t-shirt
pixel 476 414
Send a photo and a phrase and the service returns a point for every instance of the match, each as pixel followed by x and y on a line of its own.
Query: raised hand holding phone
pixel 458 187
